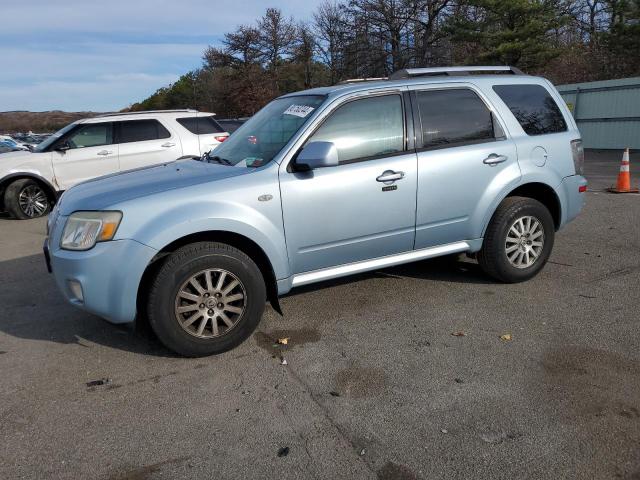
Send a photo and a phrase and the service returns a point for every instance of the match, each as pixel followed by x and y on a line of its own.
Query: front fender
pixel 262 225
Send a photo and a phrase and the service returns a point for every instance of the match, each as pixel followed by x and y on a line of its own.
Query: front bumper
pixel 104 280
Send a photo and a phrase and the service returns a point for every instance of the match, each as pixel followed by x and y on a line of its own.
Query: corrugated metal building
pixel 607 112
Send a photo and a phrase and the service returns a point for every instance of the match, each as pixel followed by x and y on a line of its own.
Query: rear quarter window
pixel 534 108
pixel 200 125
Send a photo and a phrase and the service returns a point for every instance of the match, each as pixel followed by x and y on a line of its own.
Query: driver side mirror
pixel 62 147
pixel 317 155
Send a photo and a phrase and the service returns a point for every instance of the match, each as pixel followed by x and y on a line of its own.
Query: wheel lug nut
pixel 206 295
pixel 210 312
pixel 217 295
pixel 220 305
pixel 202 305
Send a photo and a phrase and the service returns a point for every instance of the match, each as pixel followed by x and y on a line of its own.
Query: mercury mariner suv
pixel 321 184
pixel 30 182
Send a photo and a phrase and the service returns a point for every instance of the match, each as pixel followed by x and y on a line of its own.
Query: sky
pixel 81 55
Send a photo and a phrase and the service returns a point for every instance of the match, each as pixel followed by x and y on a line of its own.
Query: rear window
pixel 200 125
pixel 534 108
pixel 141 130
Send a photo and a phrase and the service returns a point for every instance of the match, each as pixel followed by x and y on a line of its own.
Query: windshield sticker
pixel 299 110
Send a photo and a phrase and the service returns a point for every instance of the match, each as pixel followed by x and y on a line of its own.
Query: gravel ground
pixel 376 385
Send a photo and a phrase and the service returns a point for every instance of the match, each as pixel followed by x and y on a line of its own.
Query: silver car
pixel 322 184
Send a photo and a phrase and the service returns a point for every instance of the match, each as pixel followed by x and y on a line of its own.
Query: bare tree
pixel 277 36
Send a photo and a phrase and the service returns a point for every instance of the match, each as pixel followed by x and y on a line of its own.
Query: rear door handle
pixel 168 144
pixel 105 152
pixel 389 176
pixel 495 159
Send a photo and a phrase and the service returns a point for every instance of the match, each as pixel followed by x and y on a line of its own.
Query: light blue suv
pixel 318 185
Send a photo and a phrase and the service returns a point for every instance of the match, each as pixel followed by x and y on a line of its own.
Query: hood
pixel 103 192
pixel 11 159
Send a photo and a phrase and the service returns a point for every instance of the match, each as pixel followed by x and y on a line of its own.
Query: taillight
pixel 578 156
pixel 221 138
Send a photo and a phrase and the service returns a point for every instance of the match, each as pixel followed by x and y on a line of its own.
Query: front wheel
pixel 207 298
pixel 25 199
pixel 518 240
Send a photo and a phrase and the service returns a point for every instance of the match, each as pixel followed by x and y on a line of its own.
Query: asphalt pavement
pixel 397 374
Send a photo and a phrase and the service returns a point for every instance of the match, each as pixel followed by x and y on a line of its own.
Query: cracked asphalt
pixel 375 386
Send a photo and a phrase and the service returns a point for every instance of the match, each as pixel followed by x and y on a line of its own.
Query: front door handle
pixel 495 159
pixel 389 176
pixel 168 144
pixel 105 152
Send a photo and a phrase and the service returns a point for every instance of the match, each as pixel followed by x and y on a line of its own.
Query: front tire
pixel 518 241
pixel 206 299
pixel 25 199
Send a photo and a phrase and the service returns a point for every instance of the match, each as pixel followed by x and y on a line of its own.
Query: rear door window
pixel 534 108
pixel 141 130
pixel 454 117
pixel 200 125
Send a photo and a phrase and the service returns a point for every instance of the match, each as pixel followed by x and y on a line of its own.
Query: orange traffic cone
pixel 624 177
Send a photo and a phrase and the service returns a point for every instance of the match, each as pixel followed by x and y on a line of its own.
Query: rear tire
pixel 25 199
pixel 518 241
pixel 206 299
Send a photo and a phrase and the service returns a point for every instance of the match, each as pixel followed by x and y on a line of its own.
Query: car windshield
pixel 260 139
pixel 41 147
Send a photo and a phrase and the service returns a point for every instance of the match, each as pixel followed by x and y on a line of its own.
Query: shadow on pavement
pixel 33 308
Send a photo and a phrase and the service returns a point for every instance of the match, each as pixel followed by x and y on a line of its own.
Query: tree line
pixel 564 40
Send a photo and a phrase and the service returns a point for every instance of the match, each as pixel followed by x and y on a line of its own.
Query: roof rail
pixel 455 71
pixel 359 80
pixel 142 112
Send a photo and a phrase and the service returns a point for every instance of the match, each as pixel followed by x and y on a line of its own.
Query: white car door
pixel 145 142
pixel 85 153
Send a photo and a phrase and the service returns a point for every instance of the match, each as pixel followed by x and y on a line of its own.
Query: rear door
pixel 464 160
pixel 209 133
pixel 91 153
pixel 145 142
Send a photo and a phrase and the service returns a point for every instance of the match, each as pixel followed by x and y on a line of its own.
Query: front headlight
pixel 84 229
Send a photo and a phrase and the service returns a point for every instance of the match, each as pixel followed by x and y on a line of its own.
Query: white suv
pixel 30 182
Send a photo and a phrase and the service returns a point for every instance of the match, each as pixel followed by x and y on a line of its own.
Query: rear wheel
pixel 518 241
pixel 207 298
pixel 25 199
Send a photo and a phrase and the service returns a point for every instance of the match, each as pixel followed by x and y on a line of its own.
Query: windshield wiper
pixel 220 160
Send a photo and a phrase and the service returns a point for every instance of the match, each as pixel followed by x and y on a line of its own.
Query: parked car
pixel 321 184
pixel 6 147
pixel 231 124
pixel 93 147
pixel 6 139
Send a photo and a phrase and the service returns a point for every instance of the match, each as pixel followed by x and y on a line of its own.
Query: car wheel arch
pixel 540 191
pixel 241 242
pixel 50 190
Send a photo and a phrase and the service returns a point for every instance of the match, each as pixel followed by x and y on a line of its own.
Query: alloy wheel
pixel 33 201
pixel 525 241
pixel 210 303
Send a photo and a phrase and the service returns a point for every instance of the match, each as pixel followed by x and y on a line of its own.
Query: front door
pixel 363 208
pixel 89 153
pixel 464 160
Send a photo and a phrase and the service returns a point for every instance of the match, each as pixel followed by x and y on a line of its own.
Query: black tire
pixel 493 256
pixel 182 265
pixel 12 199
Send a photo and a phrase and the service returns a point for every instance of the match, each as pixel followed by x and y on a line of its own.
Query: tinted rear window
pixel 453 117
pixel 200 125
pixel 534 108
pixel 141 130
